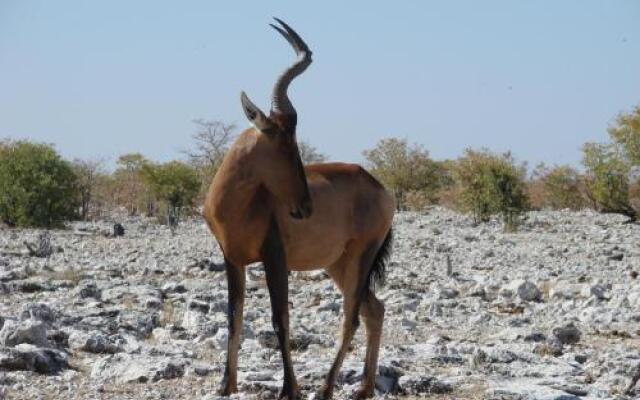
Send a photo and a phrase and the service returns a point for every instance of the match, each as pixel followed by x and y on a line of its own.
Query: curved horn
pixel 280 102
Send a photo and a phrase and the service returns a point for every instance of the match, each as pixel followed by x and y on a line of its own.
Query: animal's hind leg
pixel 351 279
pixel 372 312
pixel 235 287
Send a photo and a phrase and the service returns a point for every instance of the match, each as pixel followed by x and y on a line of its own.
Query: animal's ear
pixel 254 114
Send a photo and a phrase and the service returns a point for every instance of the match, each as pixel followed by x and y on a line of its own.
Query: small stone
pixel 416 385
pixel 567 334
pixel 221 338
pixel 616 257
pixel 38 312
pixel 599 291
pixel 123 368
pixel 27 357
pixel 118 230
pixel 535 337
pixel 549 348
pixel 197 305
pixel 153 303
pixel 94 342
pixel 174 287
pixel 386 384
pixel 448 293
pixel 581 358
pixel 29 331
pixel 409 324
pixel 526 290
pixel 202 370
pixel 89 290
pixel 478 358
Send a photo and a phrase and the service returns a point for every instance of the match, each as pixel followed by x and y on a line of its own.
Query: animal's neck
pixel 236 184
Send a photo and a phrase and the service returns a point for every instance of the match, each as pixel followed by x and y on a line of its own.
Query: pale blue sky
pixel 99 79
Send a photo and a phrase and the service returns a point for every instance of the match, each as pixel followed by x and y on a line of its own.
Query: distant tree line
pixel 485 184
pixel 40 188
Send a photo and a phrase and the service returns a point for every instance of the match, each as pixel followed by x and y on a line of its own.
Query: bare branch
pixel 211 142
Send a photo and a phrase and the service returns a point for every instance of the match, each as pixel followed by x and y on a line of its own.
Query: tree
pixel 87 175
pixel 129 188
pixel 174 183
pixel 37 187
pixel 560 185
pixel 612 178
pixel 491 184
pixel 607 179
pixel 625 134
pixel 404 168
pixel 309 154
pixel 211 142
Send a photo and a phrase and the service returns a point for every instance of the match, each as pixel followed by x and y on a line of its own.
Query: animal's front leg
pixel 235 285
pixel 277 280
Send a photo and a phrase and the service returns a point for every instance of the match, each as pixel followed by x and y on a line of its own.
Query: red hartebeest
pixel 263 205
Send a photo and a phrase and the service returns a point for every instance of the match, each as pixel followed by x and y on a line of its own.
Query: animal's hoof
pixel 363 393
pixel 289 396
pixel 290 393
pixel 325 392
pixel 227 388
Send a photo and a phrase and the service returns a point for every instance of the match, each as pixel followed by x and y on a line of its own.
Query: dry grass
pixel 70 274
pixel 167 313
pixel 128 301
pixel 545 288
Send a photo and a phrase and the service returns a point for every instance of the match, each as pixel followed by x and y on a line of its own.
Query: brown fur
pixel 351 217
pixel 264 206
pixel 349 205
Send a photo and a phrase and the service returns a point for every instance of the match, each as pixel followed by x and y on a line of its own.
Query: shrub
pixel 129 189
pixel 607 179
pixel 88 174
pixel 404 169
pixel 559 187
pixel 613 176
pixel 309 154
pixel 176 184
pixel 489 184
pixel 625 134
pixel 37 187
pixel 416 200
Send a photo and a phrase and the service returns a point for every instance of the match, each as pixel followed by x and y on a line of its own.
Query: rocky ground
pixel 548 312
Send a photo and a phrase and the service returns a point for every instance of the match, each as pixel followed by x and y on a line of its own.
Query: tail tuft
pixel 377 274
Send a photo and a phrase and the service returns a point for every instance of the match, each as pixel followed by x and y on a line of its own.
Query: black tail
pixel 377 274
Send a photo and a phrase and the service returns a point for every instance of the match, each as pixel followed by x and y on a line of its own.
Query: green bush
pixel 37 187
pixel 561 187
pixel 175 184
pixel 607 179
pixel 406 170
pixel 625 134
pixel 611 183
pixel 489 184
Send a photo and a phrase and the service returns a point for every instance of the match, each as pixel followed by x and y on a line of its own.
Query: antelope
pixel 264 206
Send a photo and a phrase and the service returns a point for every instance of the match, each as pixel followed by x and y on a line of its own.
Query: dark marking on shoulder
pixel 258 205
pixel 272 248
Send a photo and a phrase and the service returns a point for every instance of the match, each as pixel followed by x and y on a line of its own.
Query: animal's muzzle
pixel 303 210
